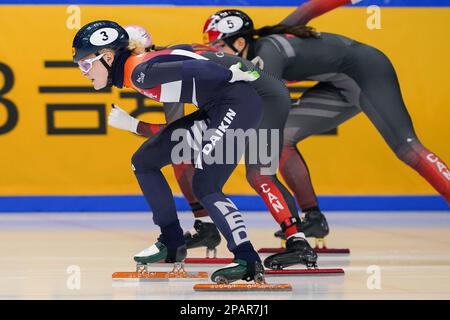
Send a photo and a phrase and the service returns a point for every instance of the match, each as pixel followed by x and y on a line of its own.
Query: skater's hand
pixel 257 61
pixel 239 75
pixel 120 119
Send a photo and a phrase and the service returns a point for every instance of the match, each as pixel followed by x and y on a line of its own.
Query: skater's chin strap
pixel 109 68
pixel 289 222
pixel 230 41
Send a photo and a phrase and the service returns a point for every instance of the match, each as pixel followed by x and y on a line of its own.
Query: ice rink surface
pixel 394 255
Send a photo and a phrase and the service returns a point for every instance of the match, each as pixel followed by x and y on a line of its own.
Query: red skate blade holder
pixel 304 272
pixel 208 260
pixel 320 248
pixel 317 250
pixel 269 272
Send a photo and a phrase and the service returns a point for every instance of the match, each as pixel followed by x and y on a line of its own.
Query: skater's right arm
pixel 149 130
pixel 120 119
pixel 312 9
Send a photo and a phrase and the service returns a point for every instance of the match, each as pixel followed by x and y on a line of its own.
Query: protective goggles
pixel 86 65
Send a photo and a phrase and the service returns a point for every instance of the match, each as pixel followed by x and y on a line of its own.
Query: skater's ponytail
pixel 136 46
pixel 139 48
pixel 156 48
pixel 253 35
pixel 139 40
pixel 298 31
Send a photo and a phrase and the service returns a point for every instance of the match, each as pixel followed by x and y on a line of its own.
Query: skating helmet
pixel 98 35
pixel 225 24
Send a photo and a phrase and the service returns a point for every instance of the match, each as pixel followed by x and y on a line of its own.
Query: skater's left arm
pixel 157 73
pixel 312 9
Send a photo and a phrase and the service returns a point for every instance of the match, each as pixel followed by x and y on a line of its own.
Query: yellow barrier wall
pixel 356 161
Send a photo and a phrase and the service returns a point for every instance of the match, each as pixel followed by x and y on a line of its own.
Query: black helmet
pixel 98 35
pixel 225 24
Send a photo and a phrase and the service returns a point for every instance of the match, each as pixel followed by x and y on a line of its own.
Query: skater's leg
pixel 382 102
pixel 295 173
pixel 147 162
pixel 208 185
pixel 277 198
pixel 184 172
pixel 320 109
pixel 204 233
pixel 240 110
pixel 210 176
pixel 262 161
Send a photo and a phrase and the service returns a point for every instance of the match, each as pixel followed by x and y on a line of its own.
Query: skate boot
pixel 280 235
pixel 239 270
pixel 204 234
pixel 158 252
pixel 314 225
pixel 298 251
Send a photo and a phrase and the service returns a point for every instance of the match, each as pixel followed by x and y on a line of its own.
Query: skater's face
pixel 93 69
pixel 239 44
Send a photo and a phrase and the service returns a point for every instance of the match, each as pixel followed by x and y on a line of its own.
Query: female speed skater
pixel 260 174
pixel 353 77
pixel 225 102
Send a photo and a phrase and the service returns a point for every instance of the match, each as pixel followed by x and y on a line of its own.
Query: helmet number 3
pixel 103 36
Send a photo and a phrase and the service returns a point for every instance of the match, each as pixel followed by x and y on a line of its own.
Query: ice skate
pixel 239 270
pixel 298 251
pixel 159 252
pixel 204 234
pixel 314 225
